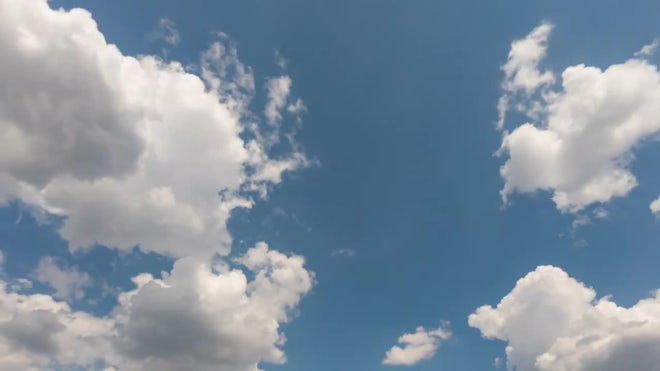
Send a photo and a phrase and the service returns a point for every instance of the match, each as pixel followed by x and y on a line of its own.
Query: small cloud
pixel 579 222
pixel 20 284
pixel 580 244
pixel 297 107
pixel 648 49
pixel 166 32
pixel 600 213
pixel 417 346
pixel 69 283
pixel 498 362
pixel 655 206
pixel 344 252
pixel 280 61
pixel 278 94
pixel 279 211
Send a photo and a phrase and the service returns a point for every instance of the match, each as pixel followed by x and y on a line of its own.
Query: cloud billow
pixel 135 151
pixel 582 135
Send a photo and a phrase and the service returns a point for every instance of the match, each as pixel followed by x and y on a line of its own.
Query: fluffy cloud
pixel 522 75
pixel 580 146
pixel 69 283
pixel 418 346
pixel 521 68
pixel 552 322
pixel 199 316
pixel 655 206
pixel 38 332
pixel 131 151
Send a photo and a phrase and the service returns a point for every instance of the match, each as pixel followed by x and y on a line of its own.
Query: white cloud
pixel 135 151
pixel 521 68
pixel 582 143
pixel 297 107
pixel 37 332
pixel 166 32
pixel 551 322
pixel 132 151
pixel 600 213
pixel 418 346
pixel 279 89
pixel 224 73
pixel 195 317
pixel 280 61
pixel 69 283
pixel 522 74
pixel 655 206
pixel 648 49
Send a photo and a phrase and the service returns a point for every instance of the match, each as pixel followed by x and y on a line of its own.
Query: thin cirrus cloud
pixel 166 32
pixel 581 137
pixel 134 151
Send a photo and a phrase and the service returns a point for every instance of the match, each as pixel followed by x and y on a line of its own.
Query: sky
pixel 305 185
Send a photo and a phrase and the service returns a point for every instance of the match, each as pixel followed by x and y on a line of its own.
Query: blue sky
pixel 387 184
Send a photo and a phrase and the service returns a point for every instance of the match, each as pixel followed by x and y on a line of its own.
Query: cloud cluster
pixel 134 151
pixel 131 151
pixel 199 317
pixel 38 332
pixel 552 322
pixel 418 346
pixel 583 135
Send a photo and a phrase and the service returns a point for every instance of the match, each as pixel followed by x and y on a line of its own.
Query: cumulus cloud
pixel 133 151
pixel 129 150
pixel 417 346
pixel 581 142
pixel 199 316
pixel 521 70
pixel 552 322
pixel 655 206
pixel 69 283
pixel 38 332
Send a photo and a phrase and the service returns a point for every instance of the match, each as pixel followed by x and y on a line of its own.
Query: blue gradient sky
pixel 401 99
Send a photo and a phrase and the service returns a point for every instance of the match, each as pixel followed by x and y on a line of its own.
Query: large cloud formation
pixel 552 322
pixel 131 151
pixel 198 317
pixel 135 151
pixel 581 141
